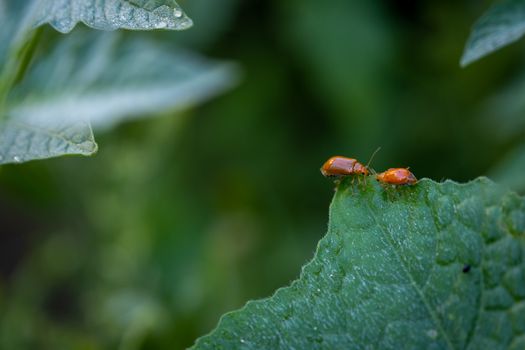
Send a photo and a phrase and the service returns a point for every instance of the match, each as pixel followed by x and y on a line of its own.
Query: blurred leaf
pixel 29 138
pixel 504 111
pixel 15 39
pixel 390 274
pixel 97 77
pixel 509 171
pixel 501 25
pixel 20 141
pixel 17 18
pixel 63 15
pixel 52 121
pixel 7 29
pixel 105 78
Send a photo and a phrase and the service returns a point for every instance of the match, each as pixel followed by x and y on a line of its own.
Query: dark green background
pixel 181 218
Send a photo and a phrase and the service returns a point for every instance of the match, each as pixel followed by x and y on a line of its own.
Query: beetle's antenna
pixel 372 157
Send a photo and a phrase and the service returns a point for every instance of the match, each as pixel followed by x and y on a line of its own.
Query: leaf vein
pixel 411 279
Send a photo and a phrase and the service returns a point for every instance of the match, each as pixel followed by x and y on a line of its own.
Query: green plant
pixel 501 25
pixel 52 95
pixel 435 265
pixel 173 228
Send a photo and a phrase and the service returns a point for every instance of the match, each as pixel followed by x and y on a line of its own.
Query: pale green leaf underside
pixel 31 130
pixel 502 24
pixel 20 142
pixel 99 77
pixel 389 275
pixel 63 15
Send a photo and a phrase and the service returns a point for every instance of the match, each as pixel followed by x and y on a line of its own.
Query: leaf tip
pixel 88 148
pixel 465 60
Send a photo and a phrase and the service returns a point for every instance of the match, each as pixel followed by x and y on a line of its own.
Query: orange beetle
pixel 338 166
pixel 397 176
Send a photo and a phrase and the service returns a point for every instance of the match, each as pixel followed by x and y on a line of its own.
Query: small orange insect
pixel 338 166
pixel 397 176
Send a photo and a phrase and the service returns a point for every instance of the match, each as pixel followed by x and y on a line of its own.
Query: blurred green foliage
pixel 181 218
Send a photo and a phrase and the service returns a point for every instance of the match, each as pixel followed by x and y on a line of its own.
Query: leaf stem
pixel 18 62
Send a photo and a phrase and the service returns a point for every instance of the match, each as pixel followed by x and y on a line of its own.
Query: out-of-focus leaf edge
pixel 471 53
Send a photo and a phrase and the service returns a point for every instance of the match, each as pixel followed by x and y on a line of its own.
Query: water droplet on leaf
pixel 177 13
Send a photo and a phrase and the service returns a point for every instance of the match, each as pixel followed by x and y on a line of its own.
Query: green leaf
pixel 390 274
pixel 501 25
pixel 63 15
pixel 21 142
pixel 17 18
pixel 92 78
pixel 28 138
pixel 102 78
pixel 105 77
pixel 16 40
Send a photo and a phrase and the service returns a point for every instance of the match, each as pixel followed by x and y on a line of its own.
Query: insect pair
pixel 339 166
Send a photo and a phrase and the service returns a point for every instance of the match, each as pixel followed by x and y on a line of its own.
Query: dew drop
pixel 242 340
pixel 161 25
pixel 17 159
pixel 177 13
